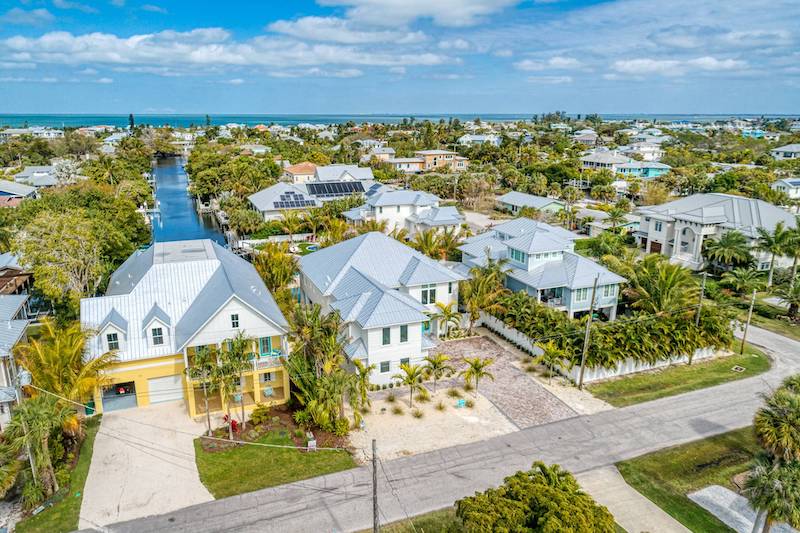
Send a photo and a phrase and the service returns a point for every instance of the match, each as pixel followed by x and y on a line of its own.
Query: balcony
pixel 555 303
pixel 266 360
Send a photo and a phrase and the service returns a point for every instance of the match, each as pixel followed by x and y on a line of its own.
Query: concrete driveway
pixel 140 470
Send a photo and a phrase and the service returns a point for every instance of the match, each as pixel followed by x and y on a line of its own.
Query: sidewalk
pixel 631 510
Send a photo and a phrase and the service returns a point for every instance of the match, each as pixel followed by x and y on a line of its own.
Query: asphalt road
pixel 430 481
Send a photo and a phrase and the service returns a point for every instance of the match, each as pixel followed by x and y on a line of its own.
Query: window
pixel 404 333
pixel 404 361
pixel 384 367
pixel 658 226
pixel 265 345
pixel 398 208
pixel 764 266
pixel 609 290
pixel 429 293
pixel 234 321
pixel 158 336
pixel 581 295
pixel 380 209
pixel 450 288
pixel 113 341
pixel 518 256
pixel 387 336
pixel 266 377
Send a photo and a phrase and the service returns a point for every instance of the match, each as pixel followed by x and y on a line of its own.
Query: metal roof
pixel 572 271
pixel 13 188
pixel 521 199
pixel 11 331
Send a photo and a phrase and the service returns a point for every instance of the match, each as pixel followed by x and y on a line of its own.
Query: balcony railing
pixel 267 360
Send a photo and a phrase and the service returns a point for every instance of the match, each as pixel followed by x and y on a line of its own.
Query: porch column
pixel 698 246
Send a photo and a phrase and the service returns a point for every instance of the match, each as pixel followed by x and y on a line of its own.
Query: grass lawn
pixel 781 327
pixel 678 379
pixel 63 515
pixel 667 476
pixel 304 247
pixel 247 468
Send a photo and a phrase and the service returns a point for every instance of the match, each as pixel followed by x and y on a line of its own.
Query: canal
pixel 178 219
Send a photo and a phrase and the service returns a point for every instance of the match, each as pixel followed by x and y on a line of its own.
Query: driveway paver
pixel 140 470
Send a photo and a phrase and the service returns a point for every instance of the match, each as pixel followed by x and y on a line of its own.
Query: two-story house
pixel 444 160
pixel 386 294
pixel 789 151
pixel 13 328
pixel 789 186
pixel 542 262
pixel 166 303
pixel 678 229
pixel 413 211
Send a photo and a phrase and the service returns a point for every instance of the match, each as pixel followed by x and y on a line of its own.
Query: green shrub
pixel 470 403
pixel 341 427
pixel 260 415
pixel 416 413
pixel 468 387
pixel 441 406
pixel 62 476
pixel 397 410
pixel 423 396
pixel 454 393
pixel 302 418
pixel 32 495
pixel 391 398
pixel 299 433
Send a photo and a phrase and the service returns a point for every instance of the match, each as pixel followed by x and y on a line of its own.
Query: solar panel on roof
pixel 332 189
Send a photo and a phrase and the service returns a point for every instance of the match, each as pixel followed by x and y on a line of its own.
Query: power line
pixel 396 496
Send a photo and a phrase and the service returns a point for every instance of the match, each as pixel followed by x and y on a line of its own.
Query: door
pixel 655 247
pixel 119 396
pixel 166 389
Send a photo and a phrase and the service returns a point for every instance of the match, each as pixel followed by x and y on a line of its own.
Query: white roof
pixel 13 188
pixel 343 173
pixel 787 148
pixel 521 199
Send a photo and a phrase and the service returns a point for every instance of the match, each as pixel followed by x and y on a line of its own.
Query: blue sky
pixel 399 56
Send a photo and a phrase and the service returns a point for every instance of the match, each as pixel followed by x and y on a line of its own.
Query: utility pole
pixel 747 324
pixel 700 302
pixel 586 335
pixel 376 525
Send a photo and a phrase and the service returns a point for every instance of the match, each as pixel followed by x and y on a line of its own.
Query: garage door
pixel 166 389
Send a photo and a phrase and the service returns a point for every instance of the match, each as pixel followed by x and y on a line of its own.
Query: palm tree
pixel 276 266
pixel 773 488
pixel 412 377
pixel 476 370
pixel 399 234
pixel 6 231
pixel 32 426
pixel 449 241
pixel 777 425
pixel 427 242
pixel 335 231
pixel 731 249
pixel 790 294
pixel 793 250
pixel 743 280
pixel 373 225
pixel 482 294
pixel 313 219
pixel 309 328
pixel 447 315
pixel 552 357
pixel 239 358
pixel 362 377
pixel 201 369
pixel 616 216
pixel 55 360
pixel 291 223
pixel 224 375
pixel 436 367
pixel 656 286
pixel 776 243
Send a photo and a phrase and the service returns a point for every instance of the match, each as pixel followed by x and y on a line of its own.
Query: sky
pixel 399 56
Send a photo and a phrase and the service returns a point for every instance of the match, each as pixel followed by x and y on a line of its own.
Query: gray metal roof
pixel 522 225
pixel 374 254
pixel 9 260
pixel 7 395
pixel 13 188
pixel 538 241
pixel 607 158
pixel 283 196
pixel 521 199
pixel 787 148
pixel 370 304
pixel 11 304
pixel 438 216
pixel 572 271
pixel 343 172
pixel 729 211
pixel 184 284
pixel 403 197
pixel 38 176
pixel 11 331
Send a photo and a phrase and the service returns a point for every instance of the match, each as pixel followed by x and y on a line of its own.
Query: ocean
pixel 182 121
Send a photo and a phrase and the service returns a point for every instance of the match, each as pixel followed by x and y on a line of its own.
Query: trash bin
pixel 90 408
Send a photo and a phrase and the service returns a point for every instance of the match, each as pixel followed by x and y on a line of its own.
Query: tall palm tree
pixel 32 426
pixel 449 241
pixel 362 377
pixel 411 376
pixel 335 230
pixel 239 358
pixel 313 219
pixel 657 286
pixel 276 266
pixel 790 294
pixel 773 488
pixel 201 369
pixel 224 377
pixel 291 223
pixel 731 249
pixel 616 216
pixel 552 357
pixel 55 359
pixel 399 234
pixel 794 250
pixel 777 425
pixel 308 329
pixel 482 294
pixel 776 243
pixel 373 225
pixel 743 280
pixel 477 370
pixel 427 242
pixel 446 315
pixel 436 367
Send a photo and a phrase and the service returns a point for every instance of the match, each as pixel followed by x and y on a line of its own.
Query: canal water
pixel 178 218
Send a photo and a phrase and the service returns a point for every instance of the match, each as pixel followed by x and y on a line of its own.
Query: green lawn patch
pixel 247 467
pixel 667 476
pixel 64 514
pixel 775 325
pixel 678 379
pixel 304 247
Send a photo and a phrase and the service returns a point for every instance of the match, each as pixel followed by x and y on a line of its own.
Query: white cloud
pixel 34 17
pixel 118 3
pixel 316 72
pixel 338 30
pixel 503 52
pixel 673 67
pixel 454 44
pixel 104 81
pixel 550 80
pixel 12 65
pixel 234 81
pixel 152 8
pixel 67 4
pixel 450 76
pixel 452 13
pixel 88 72
pixel 397 70
pixel 16 79
pixel 557 62
pixel 712 63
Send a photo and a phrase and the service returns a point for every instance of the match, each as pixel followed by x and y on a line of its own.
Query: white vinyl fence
pixel 628 366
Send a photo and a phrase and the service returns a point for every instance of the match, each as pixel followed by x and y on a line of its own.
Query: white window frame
pixel 388 367
pixel 386 336
pixel 428 294
pixel 109 342
pixel 659 225
pixel 235 320
pixel 157 336
pixel 581 295
pixel 609 290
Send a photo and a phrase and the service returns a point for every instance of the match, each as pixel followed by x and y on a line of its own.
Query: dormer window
pixel 234 321
pixel 517 255
pixel 112 339
pixel 158 336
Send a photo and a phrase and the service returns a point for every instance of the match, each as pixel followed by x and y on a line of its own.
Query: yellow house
pixel 167 302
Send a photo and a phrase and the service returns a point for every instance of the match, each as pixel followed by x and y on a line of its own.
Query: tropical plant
pixel 362 376
pixel 201 370
pixel 411 376
pixel 730 250
pixel 238 358
pixel 616 216
pixel 477 370
pixel 314 221
pixel 436 367
pixel 373 225
pixel 309 328
pixel 276 266
pixel 291 223
pixel 552 356
pixel 790 294
pixel 775 243
pixel 777 425
pixel 657 286
pixel 56 362
pixel 335 230
pixel 774 490
pixel 399 234
pixel 427 242
pixel 447 315
pixel 482 293
pixel 449 241
pixel 742 280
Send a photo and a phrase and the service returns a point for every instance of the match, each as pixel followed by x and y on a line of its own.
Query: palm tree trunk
pixel 767 525
pixel 771 269
pixel 208 414
pixel 230 419
pixel 410 397
pixel 794 271
pixel 241 398
pixel 49 482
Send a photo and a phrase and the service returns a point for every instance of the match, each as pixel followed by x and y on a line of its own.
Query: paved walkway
pixel 631 510
pixel 518 395
pixel 430 481
pixel 138 470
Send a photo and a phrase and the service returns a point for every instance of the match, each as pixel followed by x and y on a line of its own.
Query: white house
pixel 603 159
pixel 38 176
pixel 477 140
pixel 515 201
pixel 386 294
pixel 790 186
pixel 677 229
pixel 413 211
pixel 789 151
pixel 13 327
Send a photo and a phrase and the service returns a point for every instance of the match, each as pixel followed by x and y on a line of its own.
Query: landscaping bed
pixel 667 476
pixel 229 468
pixel 651 385
pixel 65 511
